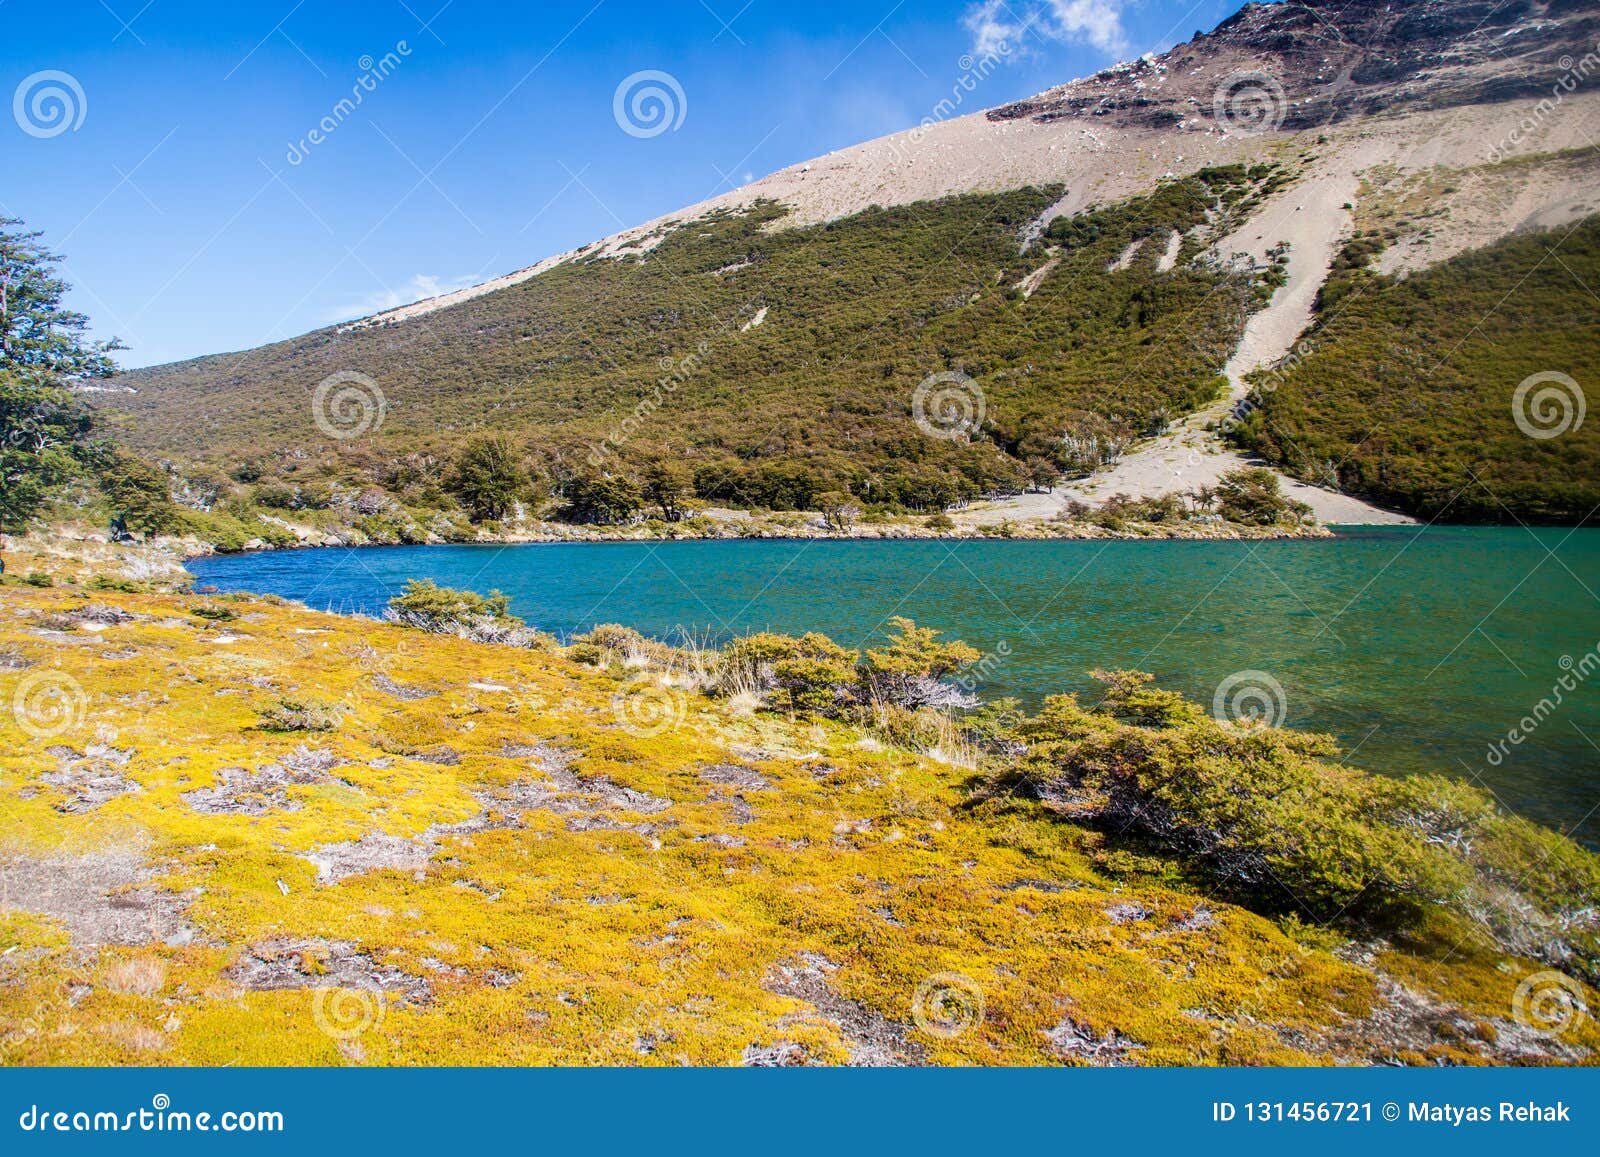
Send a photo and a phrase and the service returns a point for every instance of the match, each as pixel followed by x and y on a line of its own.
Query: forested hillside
pixel 1456 393
pixel 775 364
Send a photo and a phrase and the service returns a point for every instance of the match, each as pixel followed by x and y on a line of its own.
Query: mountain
pixel 1344 233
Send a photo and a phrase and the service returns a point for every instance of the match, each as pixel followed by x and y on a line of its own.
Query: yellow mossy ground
pixel 566 887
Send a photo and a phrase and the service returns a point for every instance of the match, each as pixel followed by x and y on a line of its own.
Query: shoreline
pixel 1031 531
pixel 188 547
pixel 68 542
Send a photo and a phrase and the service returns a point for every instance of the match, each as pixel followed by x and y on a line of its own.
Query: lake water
pixel 1417 648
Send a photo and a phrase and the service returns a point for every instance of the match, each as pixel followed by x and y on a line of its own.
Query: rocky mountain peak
pixel 1300 65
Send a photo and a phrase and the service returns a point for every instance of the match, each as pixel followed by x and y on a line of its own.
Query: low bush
pixel 466 614
pixel 1253 496
pixel 911 671
pixel 811 673
pixel 1277 823
pixel 299 715
pixel 610 644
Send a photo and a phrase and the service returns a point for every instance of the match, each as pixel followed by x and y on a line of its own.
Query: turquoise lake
pixel 1418 649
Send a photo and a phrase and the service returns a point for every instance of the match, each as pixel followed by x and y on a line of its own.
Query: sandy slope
pixel 1101 162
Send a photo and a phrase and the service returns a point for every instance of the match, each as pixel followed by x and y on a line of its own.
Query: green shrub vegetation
pixel 1275 821
pixel 594 374
pixel 1267 815
pixel 1404 392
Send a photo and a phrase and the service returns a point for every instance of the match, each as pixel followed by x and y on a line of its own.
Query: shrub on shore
pixel 1276 822
pixel 811 673
pixel 442 611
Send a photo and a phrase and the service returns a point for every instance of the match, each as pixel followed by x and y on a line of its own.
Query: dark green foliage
pixel 839 510
pixel 140 498
pixel 606 500
pixel 465 614
pixel 214 613
pixel 1253 496
pixel 667 485
pixel 41 341
pixel 909 672
pixel 278 496
pixel 43 443
pixel 811 673
pixel 426 604
pixel 487 479
pixel 1405 394
pixel 289 715
pixel 43 351
pixel 1248 496
pixel 1231 189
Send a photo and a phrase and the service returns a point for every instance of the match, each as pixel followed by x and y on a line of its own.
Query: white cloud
pixel 420 287
pixel 1019 25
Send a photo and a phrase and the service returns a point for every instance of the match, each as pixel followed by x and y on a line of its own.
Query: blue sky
pixel 152 141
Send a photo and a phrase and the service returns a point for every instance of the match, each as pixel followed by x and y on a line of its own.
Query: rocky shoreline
pixel 725 530
pixel 78 542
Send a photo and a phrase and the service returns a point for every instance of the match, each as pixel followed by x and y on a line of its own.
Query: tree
pixel 839 510
pixel 1043 474
pixel 43 432
pixel 667 484
pixel 602 499
pixel 431 607
pixel 487 479
pixel 41 341
pixel 44 429
pixel 1252 495
pixel 139 494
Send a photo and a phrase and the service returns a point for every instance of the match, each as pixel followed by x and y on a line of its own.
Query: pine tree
pixel 44 354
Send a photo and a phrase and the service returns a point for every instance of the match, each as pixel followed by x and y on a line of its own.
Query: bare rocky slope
pixel 1480 110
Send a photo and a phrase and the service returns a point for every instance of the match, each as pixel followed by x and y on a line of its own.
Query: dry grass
pixel 136 976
